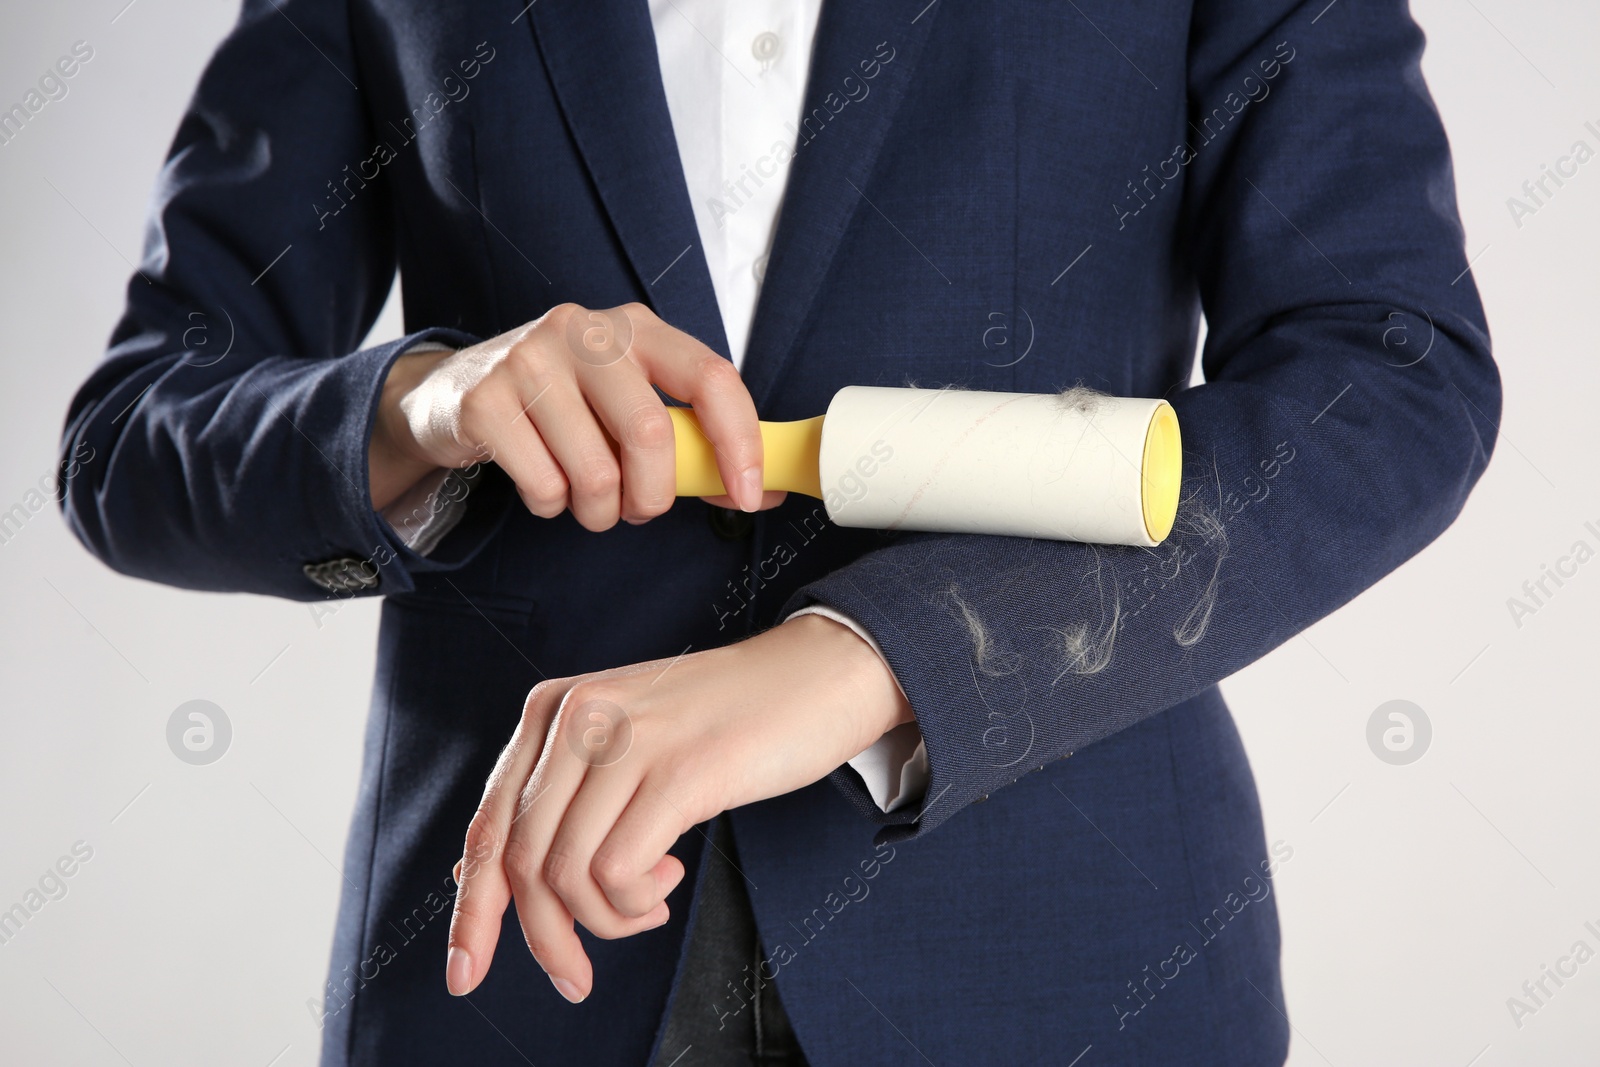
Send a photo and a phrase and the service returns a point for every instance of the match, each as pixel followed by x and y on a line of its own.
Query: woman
pixel 583 202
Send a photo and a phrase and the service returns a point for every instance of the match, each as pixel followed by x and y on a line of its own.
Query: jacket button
pixel 981 799
pixel 731 524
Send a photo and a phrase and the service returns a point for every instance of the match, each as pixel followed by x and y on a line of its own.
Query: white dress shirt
pixel 735 80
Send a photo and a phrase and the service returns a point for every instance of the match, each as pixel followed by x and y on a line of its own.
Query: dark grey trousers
pixel 724 1014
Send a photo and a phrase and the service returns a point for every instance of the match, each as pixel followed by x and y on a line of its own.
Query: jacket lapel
pixel 601 55
pixel 832 166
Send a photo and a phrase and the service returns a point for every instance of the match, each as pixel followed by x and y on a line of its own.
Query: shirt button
pixel 758 269
pixel 731 524
pixel 766 47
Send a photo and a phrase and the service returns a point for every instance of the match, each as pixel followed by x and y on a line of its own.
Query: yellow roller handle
pixel 1161 474
pixel 790 452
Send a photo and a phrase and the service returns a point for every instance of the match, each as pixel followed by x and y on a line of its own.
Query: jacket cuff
pixel 383 563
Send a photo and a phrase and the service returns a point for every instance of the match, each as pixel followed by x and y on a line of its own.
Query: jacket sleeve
pixel 1350 404
pixel 222 443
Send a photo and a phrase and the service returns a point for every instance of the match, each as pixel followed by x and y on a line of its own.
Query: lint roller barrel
pixel 1075 466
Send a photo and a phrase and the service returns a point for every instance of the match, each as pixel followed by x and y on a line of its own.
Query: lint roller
pixel 1072 466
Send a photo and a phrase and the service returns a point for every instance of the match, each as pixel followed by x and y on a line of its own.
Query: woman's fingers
pixel 686 369
pixel 631 863
pixel 544 794
pixel 547 928
pixel 601 889
pixel 551 882
pixel 583 381
pixel 569 429
pixel 482 893
pixel 501 420
pixel 637 421
pixel 771 498
pixel 483 888
pixel 576 794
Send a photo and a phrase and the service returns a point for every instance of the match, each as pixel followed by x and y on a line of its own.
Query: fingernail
pixel 752 488
pixel 567 989
pixel 458 972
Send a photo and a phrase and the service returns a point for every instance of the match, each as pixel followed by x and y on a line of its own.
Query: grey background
pixel 1418 897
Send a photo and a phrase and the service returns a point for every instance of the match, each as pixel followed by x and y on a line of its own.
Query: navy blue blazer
pixel 999 195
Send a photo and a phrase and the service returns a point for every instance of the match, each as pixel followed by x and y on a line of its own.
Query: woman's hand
pixel 606 771
pixel 565 406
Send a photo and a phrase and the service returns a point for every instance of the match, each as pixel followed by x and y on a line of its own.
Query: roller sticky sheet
pixel 1074 466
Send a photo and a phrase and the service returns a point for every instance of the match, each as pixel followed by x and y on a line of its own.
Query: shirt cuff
pixel 894 768
pixel 423 514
